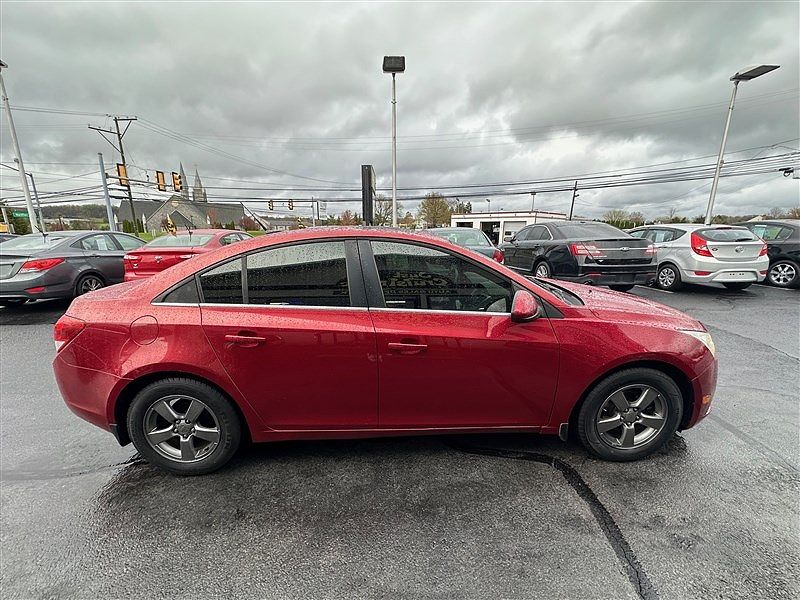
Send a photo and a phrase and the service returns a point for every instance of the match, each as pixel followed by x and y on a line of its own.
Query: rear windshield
pixel 182 240
pixel 589 231
pixel 729 234
pixel 34 242
pixel 467 237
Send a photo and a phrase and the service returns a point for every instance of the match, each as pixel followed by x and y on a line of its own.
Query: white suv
pixel 732 256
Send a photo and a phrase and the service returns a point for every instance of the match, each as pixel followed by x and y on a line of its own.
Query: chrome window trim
pixel 443 312
pixel 278 306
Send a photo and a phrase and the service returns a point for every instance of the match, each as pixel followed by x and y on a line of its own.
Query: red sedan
pixel 342 333
pixel 168 250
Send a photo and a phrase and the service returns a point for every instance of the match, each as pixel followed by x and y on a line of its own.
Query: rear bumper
pixel 86 392
pixel 640 275
pixel 134 276
pixel 716 271
pixel 17 288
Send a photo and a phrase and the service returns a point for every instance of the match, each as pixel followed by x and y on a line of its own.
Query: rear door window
pixel 98 243
pixel 223 284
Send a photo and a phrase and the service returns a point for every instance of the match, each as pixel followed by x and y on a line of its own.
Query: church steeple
pixel 198 192
pixel 184 185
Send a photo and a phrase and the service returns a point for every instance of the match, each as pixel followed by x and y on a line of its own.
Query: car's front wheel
pixel 184 426
pixel 630 414
pixel 784 273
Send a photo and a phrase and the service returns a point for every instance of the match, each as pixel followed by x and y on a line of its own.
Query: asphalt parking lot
pixel 714 515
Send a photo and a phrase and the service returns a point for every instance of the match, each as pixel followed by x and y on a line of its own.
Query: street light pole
pixel 38 204
pixel 490 205
pixel 15 143
pixel 394 65
pixel 743 75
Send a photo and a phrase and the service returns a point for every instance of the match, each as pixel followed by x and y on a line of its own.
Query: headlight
pixel 704 337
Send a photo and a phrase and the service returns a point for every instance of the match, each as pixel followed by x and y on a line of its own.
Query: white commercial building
pixel 500 226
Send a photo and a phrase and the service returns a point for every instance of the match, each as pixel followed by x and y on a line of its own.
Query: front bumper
pixel 703 388
pixel 597 275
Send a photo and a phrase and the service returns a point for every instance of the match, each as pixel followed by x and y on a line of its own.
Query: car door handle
pixel 246 341
pixel 406 348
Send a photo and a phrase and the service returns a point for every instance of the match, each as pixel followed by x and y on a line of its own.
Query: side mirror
pixel 525 307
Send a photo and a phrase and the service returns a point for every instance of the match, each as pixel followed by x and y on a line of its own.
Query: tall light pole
pixel 394 65
pixel 745 74
pixel 15 143
pixel 489 202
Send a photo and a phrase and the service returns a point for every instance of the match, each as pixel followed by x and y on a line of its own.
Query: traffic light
pixel 291 204
pixel 177 183
pixel 271 205
pixel 122 175
pixel 160 182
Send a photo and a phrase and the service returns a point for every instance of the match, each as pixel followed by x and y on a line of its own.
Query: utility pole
pixel 121 150
pixel 15 144
pixel 575 194
pixel 109 209
pixel 533 201
pixel 38 204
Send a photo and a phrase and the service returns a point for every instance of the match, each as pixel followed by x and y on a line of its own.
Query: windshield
pixel 182 240
pixel 33 242
pixel 590 231
pixel 729 234
pixel 563 294
pixel 464 237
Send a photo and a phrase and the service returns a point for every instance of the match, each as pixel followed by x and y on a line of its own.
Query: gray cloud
pixel 556 78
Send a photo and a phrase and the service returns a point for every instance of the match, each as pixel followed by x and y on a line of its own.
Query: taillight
pixel 699 246
pixel 763 250
pixel 40 264
pixel 581 249
pixel 66 329
pixel 650 250
pixel 498 256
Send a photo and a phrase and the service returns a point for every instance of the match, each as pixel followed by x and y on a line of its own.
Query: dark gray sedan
pixel 471 238
pixel 61 264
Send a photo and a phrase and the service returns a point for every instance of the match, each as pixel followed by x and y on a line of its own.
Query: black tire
pixel 668 278
pixel 737 286
pixel 784 273
pixel 87 283
pixel 622 288
pixel 542 269
pixel 13 302
pixel 220 409
pixel 669 397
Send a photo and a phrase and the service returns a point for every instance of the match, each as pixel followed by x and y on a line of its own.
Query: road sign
pixel 19 214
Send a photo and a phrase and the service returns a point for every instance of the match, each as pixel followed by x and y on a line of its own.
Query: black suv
pixel 783 248
pixel 582 251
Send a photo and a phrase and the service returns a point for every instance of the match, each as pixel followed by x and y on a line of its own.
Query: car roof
pixel 793 222
pixel 685 226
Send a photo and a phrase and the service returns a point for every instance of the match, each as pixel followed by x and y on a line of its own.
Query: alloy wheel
pixel 542 270
pixel 182 428
pixel 631 416
pixel 666 277
pixel 782 273
pixel 90 283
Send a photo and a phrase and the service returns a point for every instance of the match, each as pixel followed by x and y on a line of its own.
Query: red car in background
pixel 348 332
pixel 169 250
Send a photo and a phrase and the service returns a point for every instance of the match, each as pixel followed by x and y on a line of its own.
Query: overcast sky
pixel 492 93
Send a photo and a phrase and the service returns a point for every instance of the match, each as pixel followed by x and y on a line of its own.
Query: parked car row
pixel 66 264
pixel 666 256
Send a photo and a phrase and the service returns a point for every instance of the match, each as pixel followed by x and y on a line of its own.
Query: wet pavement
pixel 499 516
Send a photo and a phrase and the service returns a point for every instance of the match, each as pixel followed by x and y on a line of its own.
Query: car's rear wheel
pixel 88 283
pixel 184 426
pixel 784 273
pixel 622 288
pixel 630 414
pixel 542 269
pixel 668 278
pixel 737 286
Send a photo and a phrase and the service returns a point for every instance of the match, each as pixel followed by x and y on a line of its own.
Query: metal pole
pixel 574 195
pixel 109 210
pixel 713 194
pixel 394 152
pixel 130 193
pixel 313 219
pixel 15 143
pixel 38 204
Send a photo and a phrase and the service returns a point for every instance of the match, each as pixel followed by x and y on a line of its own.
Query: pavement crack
pixel 630 562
